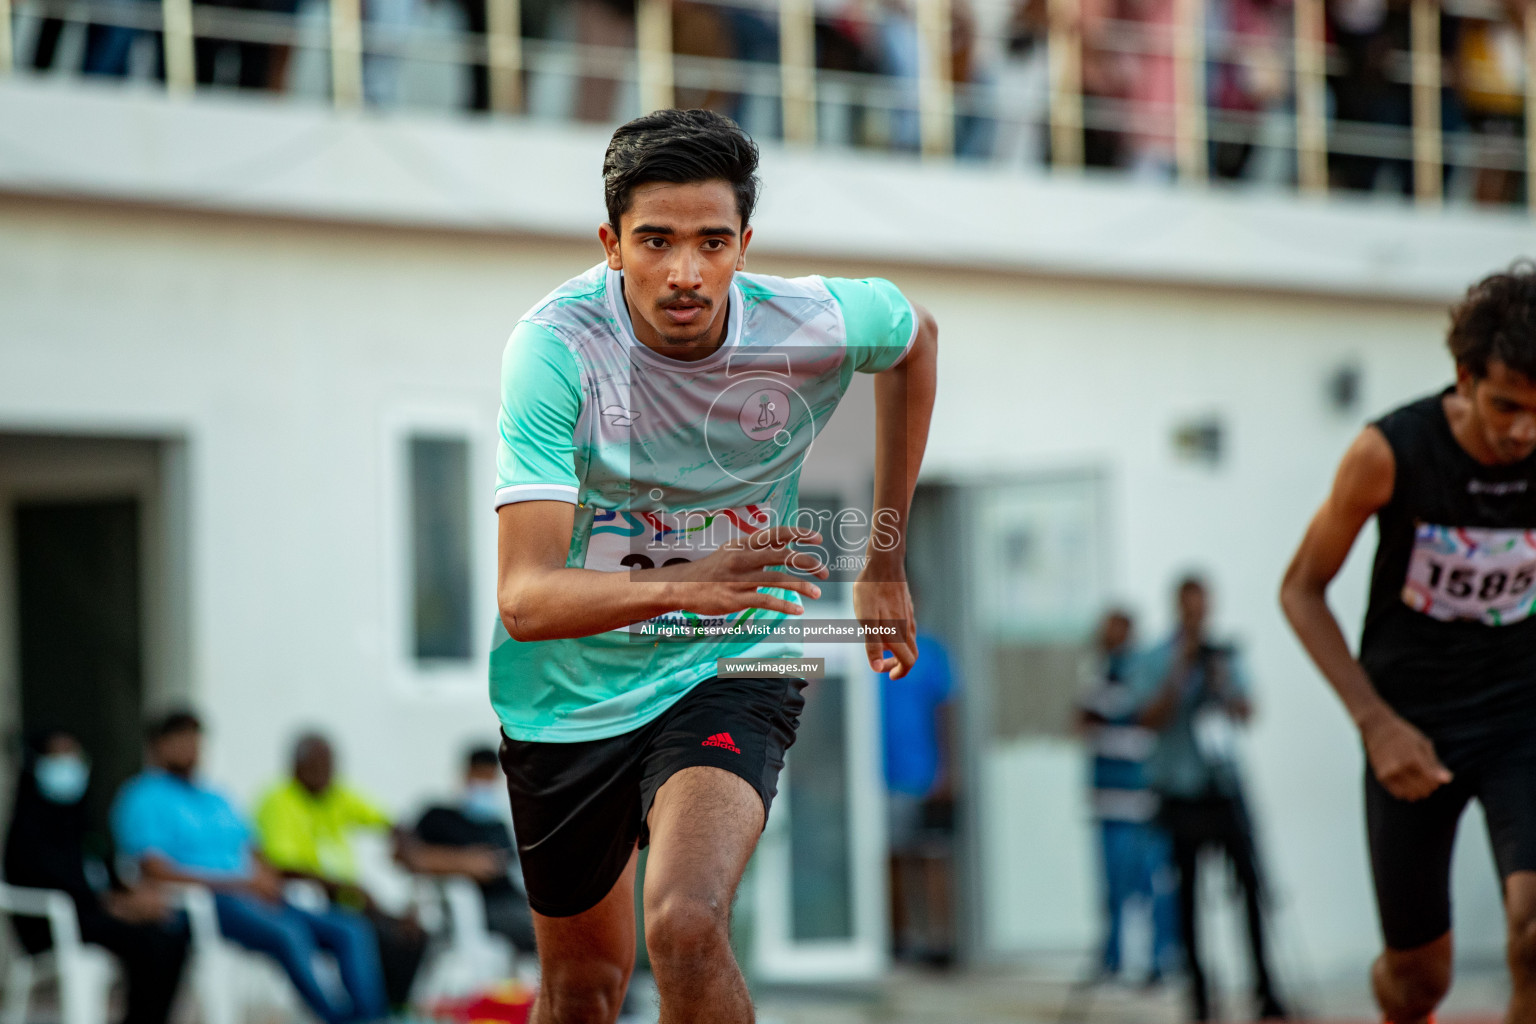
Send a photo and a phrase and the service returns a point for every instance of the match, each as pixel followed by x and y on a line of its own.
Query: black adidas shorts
pixel 1411 841
pixel 579 809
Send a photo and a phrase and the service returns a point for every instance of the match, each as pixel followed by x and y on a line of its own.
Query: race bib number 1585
pixel 1465 572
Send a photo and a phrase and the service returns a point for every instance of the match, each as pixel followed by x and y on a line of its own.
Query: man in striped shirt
pixel 1134 850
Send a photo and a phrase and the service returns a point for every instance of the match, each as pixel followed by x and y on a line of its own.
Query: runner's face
pixel 678 247
pixel 1504 409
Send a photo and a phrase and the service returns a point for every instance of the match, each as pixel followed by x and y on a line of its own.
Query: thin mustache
pixel 682 297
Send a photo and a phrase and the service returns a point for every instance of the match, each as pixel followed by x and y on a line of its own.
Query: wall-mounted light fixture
pixel 1343 388
pixel 1198 440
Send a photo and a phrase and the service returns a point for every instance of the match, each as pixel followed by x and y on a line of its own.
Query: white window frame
pixel 437 677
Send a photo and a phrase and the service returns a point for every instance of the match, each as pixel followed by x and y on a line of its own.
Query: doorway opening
pixel 92 586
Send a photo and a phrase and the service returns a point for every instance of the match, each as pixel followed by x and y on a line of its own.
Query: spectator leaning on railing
pixel 304 826
pixel 1250 79
pixel 534 17
pixel 601 23
pixel 1108 70
pixel 1489 78
pixel 1370 89
pixel 179 830
pixel 237 62
pixel 107 46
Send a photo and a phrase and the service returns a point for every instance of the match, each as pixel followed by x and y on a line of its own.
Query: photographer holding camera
pixel 1193 694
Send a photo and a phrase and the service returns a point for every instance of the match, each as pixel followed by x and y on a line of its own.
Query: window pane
pixel 820 847
pixel 440 546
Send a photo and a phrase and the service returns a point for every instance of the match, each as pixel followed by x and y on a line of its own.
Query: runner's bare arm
pixel 1401 756
pixel 903 407
pixel 540 599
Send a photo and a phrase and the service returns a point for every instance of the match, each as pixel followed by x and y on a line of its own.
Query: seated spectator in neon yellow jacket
pixel 304 826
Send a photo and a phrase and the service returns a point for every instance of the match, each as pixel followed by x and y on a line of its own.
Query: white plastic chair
pixel 466 956
pixel 230 982
pixel 306 895
pixel 84 972
pixel 210 968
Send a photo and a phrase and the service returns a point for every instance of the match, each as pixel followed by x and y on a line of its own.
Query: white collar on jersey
pixel 620 310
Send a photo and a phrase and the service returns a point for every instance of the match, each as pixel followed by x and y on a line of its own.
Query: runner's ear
pixel 746 239
pixel 609 236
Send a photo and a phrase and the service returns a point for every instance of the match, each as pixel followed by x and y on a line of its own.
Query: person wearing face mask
pixel 45 849
pixel 472 837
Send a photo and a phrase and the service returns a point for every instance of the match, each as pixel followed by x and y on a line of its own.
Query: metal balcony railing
pixel 928 95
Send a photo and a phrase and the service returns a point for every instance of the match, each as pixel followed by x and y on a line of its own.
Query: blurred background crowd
pixel 868 55
pixel 284 878
pixel 258 262
pixel 287 882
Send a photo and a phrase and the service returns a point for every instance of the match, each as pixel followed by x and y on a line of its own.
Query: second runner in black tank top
pixel 1450 632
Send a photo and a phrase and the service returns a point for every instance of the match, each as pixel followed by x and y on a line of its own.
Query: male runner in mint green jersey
pixel 655 414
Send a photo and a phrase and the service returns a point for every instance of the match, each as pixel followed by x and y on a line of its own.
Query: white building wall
pixel 292 359
pixel 291 355
pixel 1056 374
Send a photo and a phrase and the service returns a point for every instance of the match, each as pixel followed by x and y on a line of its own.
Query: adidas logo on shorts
pixel 723 739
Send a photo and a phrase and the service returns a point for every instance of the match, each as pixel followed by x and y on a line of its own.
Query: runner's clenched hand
pixel 727 580
pixel 1402 757
pixel 878 599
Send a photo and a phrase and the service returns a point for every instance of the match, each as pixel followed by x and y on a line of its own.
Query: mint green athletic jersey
pixel 664 458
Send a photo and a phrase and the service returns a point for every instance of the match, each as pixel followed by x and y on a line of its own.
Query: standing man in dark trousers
pixel 1444 688
pixel 1194 694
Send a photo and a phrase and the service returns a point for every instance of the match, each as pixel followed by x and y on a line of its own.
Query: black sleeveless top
pixel 1450 632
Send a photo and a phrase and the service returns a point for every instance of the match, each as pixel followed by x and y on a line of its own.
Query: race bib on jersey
pixel 623 540
pixel 1472 573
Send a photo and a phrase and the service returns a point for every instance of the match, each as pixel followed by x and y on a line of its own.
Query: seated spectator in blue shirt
pixel 179 830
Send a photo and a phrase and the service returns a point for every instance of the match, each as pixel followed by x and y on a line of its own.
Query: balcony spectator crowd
pixel 868 55
pixel 1129 86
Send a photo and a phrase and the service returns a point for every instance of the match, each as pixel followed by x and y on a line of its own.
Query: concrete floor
pixel 1022 996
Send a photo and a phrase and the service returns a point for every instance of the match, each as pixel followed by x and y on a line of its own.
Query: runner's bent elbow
pixel 518 601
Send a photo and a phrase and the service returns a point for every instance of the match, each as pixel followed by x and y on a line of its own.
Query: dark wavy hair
pixel 1497 321
pixel 681 147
